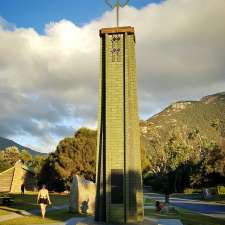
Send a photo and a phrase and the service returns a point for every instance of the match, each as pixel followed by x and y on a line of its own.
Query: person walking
pixel 22 189
pixel 167 196
pixel 43 199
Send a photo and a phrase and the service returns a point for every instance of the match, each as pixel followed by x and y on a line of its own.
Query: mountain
pixel 4 143
pixel 205 117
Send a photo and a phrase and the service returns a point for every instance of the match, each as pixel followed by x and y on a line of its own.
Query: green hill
pixel 5 143
pixel 206 116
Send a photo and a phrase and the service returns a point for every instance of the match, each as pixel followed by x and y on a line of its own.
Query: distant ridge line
pixel 5 143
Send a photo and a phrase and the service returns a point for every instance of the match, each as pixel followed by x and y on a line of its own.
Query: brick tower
pixel 119 196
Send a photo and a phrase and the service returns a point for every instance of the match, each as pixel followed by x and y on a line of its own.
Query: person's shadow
pixel 84 207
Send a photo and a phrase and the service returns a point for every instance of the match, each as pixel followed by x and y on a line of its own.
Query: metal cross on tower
pixel 117 4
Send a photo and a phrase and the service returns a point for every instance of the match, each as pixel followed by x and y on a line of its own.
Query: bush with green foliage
pixel 74 155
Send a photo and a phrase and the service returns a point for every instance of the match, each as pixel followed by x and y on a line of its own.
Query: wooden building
pixel 12 179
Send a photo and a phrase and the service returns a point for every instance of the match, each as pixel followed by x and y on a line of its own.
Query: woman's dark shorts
pixel 43 201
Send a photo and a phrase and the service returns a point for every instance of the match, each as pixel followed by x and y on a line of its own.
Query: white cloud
pixel 48 79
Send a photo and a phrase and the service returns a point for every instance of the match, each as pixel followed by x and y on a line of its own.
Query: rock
pixel 82 196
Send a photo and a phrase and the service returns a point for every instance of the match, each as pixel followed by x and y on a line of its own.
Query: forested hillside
pixel 185 143
pixel 207 116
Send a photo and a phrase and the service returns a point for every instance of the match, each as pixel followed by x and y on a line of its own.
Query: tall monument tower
pixel 119 196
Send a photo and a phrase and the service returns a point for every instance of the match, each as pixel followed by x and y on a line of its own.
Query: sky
pixel 37 13
pixel 49 61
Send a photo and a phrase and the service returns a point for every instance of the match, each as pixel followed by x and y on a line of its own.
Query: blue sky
pixel 37 13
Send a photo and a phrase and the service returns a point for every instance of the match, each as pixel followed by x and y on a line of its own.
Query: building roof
pixel 117 30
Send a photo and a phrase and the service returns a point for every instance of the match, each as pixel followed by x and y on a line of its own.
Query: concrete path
pixel 21 213
pixel 169 222
pixel 149 207
pixel 206 208
pixel 90 221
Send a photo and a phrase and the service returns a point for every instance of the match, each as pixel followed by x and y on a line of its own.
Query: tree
pixel 214 162
pixel 176 153
pixel 4 165
pixel 74 155
pixel 173 161
pixel 56 183
pixel 38 162
pixel 26 157
pixel 11 155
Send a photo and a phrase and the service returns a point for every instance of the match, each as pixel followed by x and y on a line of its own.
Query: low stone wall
pixel 82 196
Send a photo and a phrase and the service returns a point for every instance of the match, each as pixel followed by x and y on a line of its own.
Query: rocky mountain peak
pixel 212 98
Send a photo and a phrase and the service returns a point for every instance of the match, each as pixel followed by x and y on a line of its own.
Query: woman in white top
pixel 43 199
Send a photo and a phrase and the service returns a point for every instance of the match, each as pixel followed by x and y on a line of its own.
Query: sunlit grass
pixel 51 217
pixel 28 202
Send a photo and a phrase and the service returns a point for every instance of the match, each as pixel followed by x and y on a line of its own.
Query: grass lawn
pixel 149 202
pixel 221 201
pixel 217 199
pixel 187 217
pixel 3 212
pixel 51 217
pixel 29 202
pixel 198 196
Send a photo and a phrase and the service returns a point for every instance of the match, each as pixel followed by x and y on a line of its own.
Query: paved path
pixel 90 221
pixel 207 208
pixel 169 222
